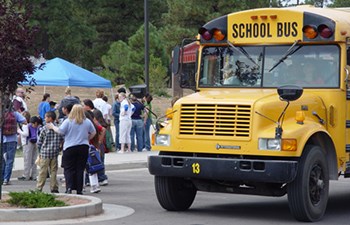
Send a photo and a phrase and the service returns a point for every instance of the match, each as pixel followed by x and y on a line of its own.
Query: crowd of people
pixel 72 127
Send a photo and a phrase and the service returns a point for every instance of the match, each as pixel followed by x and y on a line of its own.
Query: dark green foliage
pixel 34 199
pixel 125 61
pixel 65 31
pixel 82 31
pixel 16 38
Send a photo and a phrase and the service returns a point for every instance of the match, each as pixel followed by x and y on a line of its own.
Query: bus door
pixel 347 72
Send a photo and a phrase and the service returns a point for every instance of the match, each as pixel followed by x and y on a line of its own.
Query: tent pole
pixel 112 95
pixel 44 90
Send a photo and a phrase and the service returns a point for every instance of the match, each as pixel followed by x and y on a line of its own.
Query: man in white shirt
pixel 18 101
pixel 100 104
pixel 109 108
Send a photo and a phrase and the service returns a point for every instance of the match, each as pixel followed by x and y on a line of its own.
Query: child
pixel 30 151
pixel 49 146
pixel 24 133
pixel 99 121
pixel 96 141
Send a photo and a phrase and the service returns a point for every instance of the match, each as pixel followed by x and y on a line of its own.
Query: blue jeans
pixel 116 125
pixel 137 128
pixel 146 136
pixel 9 151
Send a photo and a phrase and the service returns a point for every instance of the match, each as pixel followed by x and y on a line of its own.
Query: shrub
pixel 34 199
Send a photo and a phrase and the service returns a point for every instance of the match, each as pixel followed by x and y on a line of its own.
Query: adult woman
pixel 44 106
pixel 77 131
pixel 126 110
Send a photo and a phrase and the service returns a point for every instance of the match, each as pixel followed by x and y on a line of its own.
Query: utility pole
pixel 146 46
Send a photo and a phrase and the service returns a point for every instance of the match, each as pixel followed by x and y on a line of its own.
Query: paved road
pixel 134 188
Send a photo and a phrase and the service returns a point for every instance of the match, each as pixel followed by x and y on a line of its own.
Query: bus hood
pixel 234 114
pixel 245 96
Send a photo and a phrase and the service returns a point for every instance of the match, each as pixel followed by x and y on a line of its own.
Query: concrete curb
pixel 93 207
pixel 120 166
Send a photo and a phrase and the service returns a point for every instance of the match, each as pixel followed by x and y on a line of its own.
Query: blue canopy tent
pixel 59 72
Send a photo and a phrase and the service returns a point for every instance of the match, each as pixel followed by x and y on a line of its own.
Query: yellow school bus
pixel 270 115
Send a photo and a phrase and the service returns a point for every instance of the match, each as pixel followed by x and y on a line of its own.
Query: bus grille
pixel 215 120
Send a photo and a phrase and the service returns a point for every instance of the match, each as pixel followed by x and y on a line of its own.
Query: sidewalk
pixel 113 161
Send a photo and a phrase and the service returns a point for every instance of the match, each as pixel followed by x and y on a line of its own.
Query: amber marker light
pixel 300 117
pixel 169 113
pixel 310 31
pixel 153 139
pixel 273 17
pixel 289 144
pixel 254 17
pixel 218 35
pixel 263 17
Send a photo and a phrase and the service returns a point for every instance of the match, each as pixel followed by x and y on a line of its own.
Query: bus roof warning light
pixel 310 31
pixel 325 31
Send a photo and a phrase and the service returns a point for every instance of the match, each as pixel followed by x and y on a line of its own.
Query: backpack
pixel 33 134
pixel 10 124
pixel 94 162
pixel 109 141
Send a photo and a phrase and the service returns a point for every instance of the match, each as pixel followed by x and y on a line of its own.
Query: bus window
pixel 309 66
pixel 229 67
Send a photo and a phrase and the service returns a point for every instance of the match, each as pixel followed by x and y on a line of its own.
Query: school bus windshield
pixel 309 66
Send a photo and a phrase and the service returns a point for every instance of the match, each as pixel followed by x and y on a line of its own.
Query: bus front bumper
pixel 267 171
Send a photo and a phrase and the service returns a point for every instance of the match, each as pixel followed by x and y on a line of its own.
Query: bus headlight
pixel 162 139
pixel 269 144
pixel 278 144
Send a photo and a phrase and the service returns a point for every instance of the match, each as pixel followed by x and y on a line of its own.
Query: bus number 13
pixel 196 168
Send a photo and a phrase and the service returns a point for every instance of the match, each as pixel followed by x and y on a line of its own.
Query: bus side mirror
pixel 176 60
pixel 289 92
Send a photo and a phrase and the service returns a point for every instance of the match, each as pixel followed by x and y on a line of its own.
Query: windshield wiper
pixel 288 53
pixel 242 51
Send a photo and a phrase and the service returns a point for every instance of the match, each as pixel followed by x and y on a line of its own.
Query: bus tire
pixel 174 194
pixel 308 193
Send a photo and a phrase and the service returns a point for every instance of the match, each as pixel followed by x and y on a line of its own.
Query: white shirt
pixel 24 133
pixel 101 105
pixel 24 104
pixel 126 110
pixel 109 114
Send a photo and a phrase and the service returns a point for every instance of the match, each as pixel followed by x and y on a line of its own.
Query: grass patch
pixel 34 199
